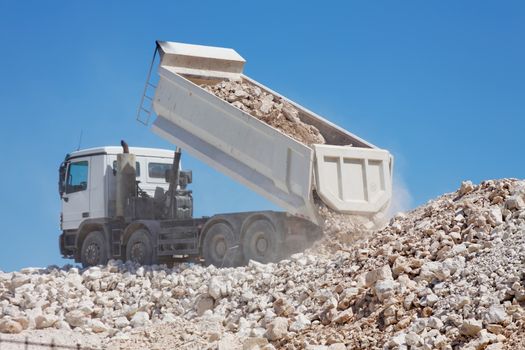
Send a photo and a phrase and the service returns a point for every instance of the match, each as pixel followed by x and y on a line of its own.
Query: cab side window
pixel 77 177
pixel 137 168
pixel 158 170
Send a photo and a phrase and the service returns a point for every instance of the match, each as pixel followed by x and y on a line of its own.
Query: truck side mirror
pixel 62 179
pixel 187 175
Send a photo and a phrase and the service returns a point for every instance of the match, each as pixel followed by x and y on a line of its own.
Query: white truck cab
pixel 90 181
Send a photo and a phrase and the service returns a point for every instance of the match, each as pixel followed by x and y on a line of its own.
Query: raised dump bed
pixel 349 174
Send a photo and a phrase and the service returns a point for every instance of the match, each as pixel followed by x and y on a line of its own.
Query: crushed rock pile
pixel 268 108
pixel 448 275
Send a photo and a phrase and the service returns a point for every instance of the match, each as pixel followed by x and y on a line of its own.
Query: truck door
pixel 75 201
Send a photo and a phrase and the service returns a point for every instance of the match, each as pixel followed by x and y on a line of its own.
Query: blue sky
pixel 441 84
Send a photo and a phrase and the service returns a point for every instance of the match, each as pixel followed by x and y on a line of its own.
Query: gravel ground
pixel 447 275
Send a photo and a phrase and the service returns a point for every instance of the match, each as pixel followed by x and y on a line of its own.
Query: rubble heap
pixel 272 110
pixel 450 274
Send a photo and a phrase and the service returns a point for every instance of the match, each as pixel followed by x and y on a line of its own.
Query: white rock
pixel 140 319
pixel 470 327
pixel 398 340
pixel 495 314
pixel 434 322
pixel 45 321
pixel 301 323
pixel 76 318
pixel 98 326
pixel 121 322
pixel 380 274
pixel 93 273
pixel 10 326
pixel 413 339
pixel 214 288
pixel 514 203
pixel 384 289
pixel 466 187
pixel 277 329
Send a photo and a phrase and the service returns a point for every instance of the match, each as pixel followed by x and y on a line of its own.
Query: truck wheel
pixel 93 250
pixel 219 248
pixel 261 242
pixel 139 248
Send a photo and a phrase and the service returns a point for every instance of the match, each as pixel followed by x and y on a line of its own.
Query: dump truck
pixel 134 203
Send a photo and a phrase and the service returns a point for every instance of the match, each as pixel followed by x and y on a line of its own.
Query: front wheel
pixel 262 242
pixel 139 248
pixel 93 250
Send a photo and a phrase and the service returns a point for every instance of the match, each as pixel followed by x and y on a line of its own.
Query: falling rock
pixel 140 319
pixel 470 327
pixel 495 314
pixel 277 329
pixel 10 326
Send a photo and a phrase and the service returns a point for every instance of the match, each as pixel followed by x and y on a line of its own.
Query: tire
pixel 139 248
pixel 220 248
pixel 262 242
pixel 94 250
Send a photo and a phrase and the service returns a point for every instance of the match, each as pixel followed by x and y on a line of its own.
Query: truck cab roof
pixel 139 151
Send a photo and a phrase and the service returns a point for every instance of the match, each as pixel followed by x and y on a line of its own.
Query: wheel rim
pixel 138 252
pixel 220 247
pixel 93 254
pixel 261 243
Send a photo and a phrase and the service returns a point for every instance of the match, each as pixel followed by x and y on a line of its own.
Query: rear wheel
pixel 93 250
pixel 139 248
pixel 262 242
pixel 219 247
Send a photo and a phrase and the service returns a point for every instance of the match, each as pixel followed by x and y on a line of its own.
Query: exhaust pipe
pixel 126 180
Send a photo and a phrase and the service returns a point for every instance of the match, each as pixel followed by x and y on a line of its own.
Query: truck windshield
pixel 77 178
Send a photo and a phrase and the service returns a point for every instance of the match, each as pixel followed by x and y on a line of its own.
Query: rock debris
pixel 447 275
pixel 268 108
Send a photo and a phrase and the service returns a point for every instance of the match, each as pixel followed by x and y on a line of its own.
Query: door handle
pixel 85 214
pixel 66 199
